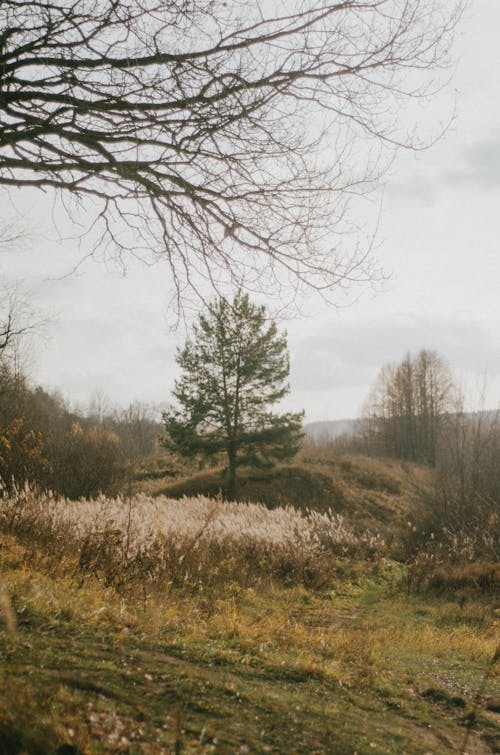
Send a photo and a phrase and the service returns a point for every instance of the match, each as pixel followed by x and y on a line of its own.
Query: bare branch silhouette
pixel 227 138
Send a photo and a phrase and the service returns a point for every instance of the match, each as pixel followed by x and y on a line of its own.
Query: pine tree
pixel 233 370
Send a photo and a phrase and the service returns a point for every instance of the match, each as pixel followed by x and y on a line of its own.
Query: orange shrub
pixel 22 454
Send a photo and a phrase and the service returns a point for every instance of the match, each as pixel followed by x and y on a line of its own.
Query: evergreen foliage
pixel 233 370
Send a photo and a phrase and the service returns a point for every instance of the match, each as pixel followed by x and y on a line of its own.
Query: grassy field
pixel 359 668
pixel 153 625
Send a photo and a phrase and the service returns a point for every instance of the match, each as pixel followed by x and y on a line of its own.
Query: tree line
pixel 234 370
pixel 417 412
pixel 43 440
pixel 75 453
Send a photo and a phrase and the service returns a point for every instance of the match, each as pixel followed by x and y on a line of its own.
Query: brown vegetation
pixel 162 543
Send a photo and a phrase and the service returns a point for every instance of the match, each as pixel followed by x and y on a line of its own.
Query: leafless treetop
pixel 225 136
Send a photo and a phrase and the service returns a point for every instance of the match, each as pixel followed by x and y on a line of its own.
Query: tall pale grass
pixel 190 542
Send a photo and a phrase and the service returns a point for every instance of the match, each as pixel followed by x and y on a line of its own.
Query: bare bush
pixel 469 472
pixel 454 541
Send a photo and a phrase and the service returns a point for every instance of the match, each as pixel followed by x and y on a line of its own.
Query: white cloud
pixel 348 353
pixel 479 164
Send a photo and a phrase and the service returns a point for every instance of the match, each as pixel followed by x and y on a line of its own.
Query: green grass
pixel 360 669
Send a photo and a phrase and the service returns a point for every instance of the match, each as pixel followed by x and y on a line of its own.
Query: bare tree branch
pixel 226 137
pixel 19 319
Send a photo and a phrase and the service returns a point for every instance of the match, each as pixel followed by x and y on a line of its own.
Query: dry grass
pixel 162 543
pixel 154 625
pixel 374 494
pixel 242 670
pixel 231 651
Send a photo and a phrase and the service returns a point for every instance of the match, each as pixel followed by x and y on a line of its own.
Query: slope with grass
pixel 161 626
pixel 374 493
pixel 359 669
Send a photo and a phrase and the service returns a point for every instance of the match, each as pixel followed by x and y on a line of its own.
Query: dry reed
pixel 192 542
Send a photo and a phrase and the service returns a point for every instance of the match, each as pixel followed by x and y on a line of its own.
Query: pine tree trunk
pixel 231 471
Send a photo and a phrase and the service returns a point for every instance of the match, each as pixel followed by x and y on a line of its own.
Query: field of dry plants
pixel 160 543
pixel 152 625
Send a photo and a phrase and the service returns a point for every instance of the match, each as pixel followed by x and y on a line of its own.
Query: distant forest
pixel 76 453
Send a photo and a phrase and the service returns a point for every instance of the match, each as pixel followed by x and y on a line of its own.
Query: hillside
pixel 377 494
pixel 361 668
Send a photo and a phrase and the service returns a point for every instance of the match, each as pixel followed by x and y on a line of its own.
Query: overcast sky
pixel 438 240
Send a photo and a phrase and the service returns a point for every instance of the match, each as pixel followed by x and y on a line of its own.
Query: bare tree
pixel 226 137
pixel 18 319
pixel 470 473
pixel 405 411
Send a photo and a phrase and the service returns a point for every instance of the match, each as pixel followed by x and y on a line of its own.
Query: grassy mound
pixel 374 494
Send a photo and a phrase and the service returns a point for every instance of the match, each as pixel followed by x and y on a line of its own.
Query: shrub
pixel 22 454
pixel 86 462
pixel 446 549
